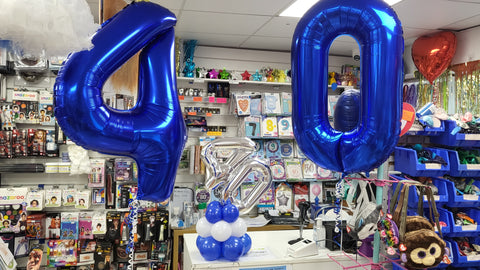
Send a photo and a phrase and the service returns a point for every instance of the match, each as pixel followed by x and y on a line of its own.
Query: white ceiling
pixel 255 24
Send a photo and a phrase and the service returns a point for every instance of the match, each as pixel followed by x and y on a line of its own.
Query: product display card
pixel 285 128
pixel 62 252
pixel 267 201
pixel 99 223
pixel 293 167
pixel 316 192
pixel 53 197
pixel 69 196
pixel 309 169
pixel 85 225
pixel 14 218
pixel 277 168
pixel 83 199
pixel 286 148
pixel 271 104
pixel 45 108
pixel 35 200
pixel 283 198
pixel 243 104
pixel 272 149
pixel 12 195
pixel 323 173
pixel 286 103
pixel 259 150
pixel 252 126
pixel 256 105
pixel 298 152
pixel 53 224
pixel 269 127
pixel 97 177
pixel 300 193
pixel 69 225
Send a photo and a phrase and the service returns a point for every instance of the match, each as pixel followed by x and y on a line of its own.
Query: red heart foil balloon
pixel 433 54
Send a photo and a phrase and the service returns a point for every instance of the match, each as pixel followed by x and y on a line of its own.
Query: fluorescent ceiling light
pixel 299 7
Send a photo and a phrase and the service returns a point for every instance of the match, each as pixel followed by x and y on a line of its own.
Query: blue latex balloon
pixel 232 248
pixel 230 212
pixel 247 243
pixel 378 32
pixel 347 111
pixel 153 132
pixel 209 248
pixel 214 212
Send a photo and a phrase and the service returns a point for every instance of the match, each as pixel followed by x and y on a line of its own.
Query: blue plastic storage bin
pixel 459 139
pixel 406 161
pixel 465 261
pixel 469 230
pixel 429 131
pixel 467 200
pixel 461 170
pixel 440 199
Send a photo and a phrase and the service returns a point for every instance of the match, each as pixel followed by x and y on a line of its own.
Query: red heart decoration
pixel 433 54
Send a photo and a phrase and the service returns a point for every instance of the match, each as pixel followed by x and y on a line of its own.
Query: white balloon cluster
pixel 221 230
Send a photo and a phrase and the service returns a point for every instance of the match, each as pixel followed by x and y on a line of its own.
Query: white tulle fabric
pixel 57 27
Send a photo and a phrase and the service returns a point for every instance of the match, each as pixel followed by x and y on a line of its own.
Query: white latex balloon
pixel 221 231
pixel 204 227
pixel 239 227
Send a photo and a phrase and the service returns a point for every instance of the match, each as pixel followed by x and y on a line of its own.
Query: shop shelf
pixel 458 139
pixel 461 170
pixel 468 230
pixel 406 161
pixel 465 200
pixel 465 261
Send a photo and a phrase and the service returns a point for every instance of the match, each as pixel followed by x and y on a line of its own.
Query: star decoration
pixel 213 74
pixel 257 76
pixel 224 75
pixel 246 75
pixel 283 200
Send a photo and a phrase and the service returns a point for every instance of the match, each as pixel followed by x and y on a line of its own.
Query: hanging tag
pixel 446 259
pixel 390 251
pixel 402 247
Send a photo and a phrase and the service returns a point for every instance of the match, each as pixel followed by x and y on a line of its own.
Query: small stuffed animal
pixel 331 78
pixel 422 247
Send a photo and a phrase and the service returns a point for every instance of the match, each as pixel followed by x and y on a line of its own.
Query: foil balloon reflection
pixel 432 54
pixel 153 132
pixel 229 164
pixel 378 32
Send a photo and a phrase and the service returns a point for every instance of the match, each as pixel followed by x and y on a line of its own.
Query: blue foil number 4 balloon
pixel 153 132
pixel 378 31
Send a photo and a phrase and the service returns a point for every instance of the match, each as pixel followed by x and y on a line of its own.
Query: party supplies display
pixel 53 224
pixel 53 197
pixel 256 105
pixel 285 128
pixel 309 169
pixel 286 103
pixel 301 192
pixel 284 198
pixel 269 127
pixel 293 167
pixel 286 148
pixel 123 169
pixel 272 149
pixel 35 226
pixel 69 197
pixel 69 225
pixel 243 104
pixel 97 177
pixel 62 252
pixel 85 225
pixel 252 126
pixel 83 199
pixel 277 166
pixel 35 200
pixel 271 104
pixel 99 223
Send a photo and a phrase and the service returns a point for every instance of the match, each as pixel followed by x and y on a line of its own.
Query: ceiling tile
pixel 220 40
pixel 279 27
pixel 268 43
pixel 464 24
pixel 219 23
pixel 433 14
pixel 170 4
pixel 254 7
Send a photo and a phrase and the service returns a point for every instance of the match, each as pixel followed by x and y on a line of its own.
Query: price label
pixel 197 99
pixel 472 137
pixel 471 227
pixel 433 166
pixel 473 166
pixel 470 197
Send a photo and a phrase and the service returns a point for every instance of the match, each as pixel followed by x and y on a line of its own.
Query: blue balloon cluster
pixel 222 222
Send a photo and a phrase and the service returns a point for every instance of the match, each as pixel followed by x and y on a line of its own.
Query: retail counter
pixel 268 252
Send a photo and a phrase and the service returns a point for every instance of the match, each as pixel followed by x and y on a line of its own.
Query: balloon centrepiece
pixel 432 54
pixel 153 132
pixel 378 31
pixel 229 174
pixel 222 233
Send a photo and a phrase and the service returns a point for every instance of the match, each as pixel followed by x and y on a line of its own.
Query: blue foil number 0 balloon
pixel 153 132
pixel 378 32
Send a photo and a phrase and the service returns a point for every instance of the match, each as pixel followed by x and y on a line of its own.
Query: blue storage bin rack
pixel 440 199
pixel 461 170
pixel 463 261
pixel 406 161
pixel 459 139
pixel 455 200
pixel 443 216
pixel 429 131
pixel 457 230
